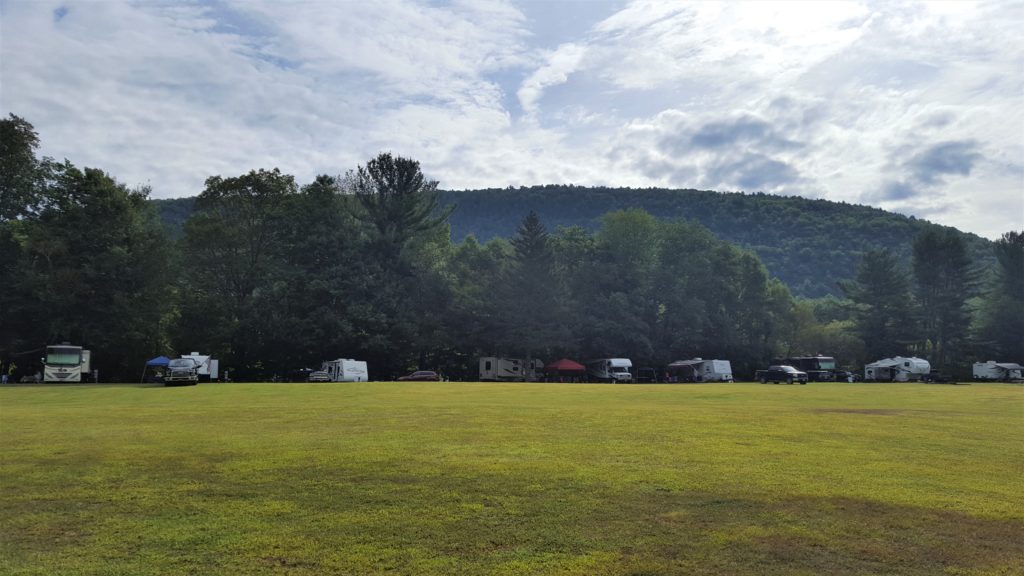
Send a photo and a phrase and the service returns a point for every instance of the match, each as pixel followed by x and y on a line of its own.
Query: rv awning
pixel 887 363
pixel 158 361
pixel 564 365
pixel 684 363
pixel 1009 366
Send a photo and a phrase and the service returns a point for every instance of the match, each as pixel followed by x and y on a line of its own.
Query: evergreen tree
pixel 1000 325
pixel 942 268
pixel 529 301
pixel 882 305
pixel 21 172
pixel 397 201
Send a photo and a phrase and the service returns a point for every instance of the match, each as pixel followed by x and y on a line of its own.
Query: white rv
pixel 897 369
pixel 700 370
pixel 998 371
pixel 494 369
pixel 66 363
pixel 207 367
pixel 610 370
pixel 346 370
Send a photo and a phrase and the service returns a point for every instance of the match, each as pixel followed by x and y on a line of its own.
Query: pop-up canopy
pixel 565 365
pixel 158 362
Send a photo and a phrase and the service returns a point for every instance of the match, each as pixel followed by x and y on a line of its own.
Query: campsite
pixel 511 288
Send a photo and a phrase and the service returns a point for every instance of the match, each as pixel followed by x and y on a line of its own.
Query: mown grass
pixel 512 479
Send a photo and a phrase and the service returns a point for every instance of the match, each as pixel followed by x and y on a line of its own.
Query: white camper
pixel 495 369
pixel 610 370
pixel 998 371
pixel 897 369
pixel 66 363
pixel 700 370
pixel 207 367
pixel 346 370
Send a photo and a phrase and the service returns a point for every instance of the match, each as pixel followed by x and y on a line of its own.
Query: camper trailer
pixel 897 369
pixel 495 369
pixel 66 363
pixel 610 370
pixel 346 370
pixel 207 367
pixel 700 370
pixel 993 371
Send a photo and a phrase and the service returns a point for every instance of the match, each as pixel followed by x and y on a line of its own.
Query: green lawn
pixel 512 479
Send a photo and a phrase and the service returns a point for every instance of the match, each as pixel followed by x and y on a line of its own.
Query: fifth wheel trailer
pixel 897 369
pixel 998 371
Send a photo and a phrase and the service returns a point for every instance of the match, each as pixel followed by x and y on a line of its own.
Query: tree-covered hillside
pixel 808 244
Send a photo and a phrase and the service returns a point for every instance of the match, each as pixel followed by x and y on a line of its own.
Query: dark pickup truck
pixel 777 374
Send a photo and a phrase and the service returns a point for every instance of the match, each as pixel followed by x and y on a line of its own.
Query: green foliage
pixel 88 267
pixel 945 280
pixel 1000 319
pixel 809 244
pixel 21 173
pixel 269 277
pixel 397 200
pixel 883 306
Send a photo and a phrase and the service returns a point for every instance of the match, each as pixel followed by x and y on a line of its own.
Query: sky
pixel 913 107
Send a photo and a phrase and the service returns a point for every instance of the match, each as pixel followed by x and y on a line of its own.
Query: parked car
pixel 318 376
pixel 781 373
pixel 421 376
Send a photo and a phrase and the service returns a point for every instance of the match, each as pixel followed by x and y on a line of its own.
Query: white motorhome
pixel 897 369
pixel 66 363
pixel 700 370
pixel 346 370
pixel 495 369
pixel 998 371
pixel 610 370
pixel 207 367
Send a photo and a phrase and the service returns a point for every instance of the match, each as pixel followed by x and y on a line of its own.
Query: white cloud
pixel 847 101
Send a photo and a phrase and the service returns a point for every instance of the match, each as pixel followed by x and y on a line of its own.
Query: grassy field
pixel 512 479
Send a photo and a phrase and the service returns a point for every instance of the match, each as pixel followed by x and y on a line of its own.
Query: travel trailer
pixel 207 367
pixel 495 369
pixel 66 363
pixel 897 369
pixel 998 371
pixel 700 370
pixel 346 370
pixel 610 370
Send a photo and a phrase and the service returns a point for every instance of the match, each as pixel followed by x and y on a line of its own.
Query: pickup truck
pixel 181 371
pixel 777 374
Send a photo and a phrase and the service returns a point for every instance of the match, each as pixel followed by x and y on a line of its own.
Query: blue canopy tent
pixel 158 362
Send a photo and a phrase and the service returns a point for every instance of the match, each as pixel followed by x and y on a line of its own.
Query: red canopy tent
pixel 564 370
pixel 565 365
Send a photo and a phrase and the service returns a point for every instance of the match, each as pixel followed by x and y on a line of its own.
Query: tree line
pixel 270 275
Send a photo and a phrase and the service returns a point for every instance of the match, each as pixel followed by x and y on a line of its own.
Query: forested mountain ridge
pixel 808 244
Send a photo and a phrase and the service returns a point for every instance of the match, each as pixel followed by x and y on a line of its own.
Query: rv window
pixel 907 364
pixel 487 365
